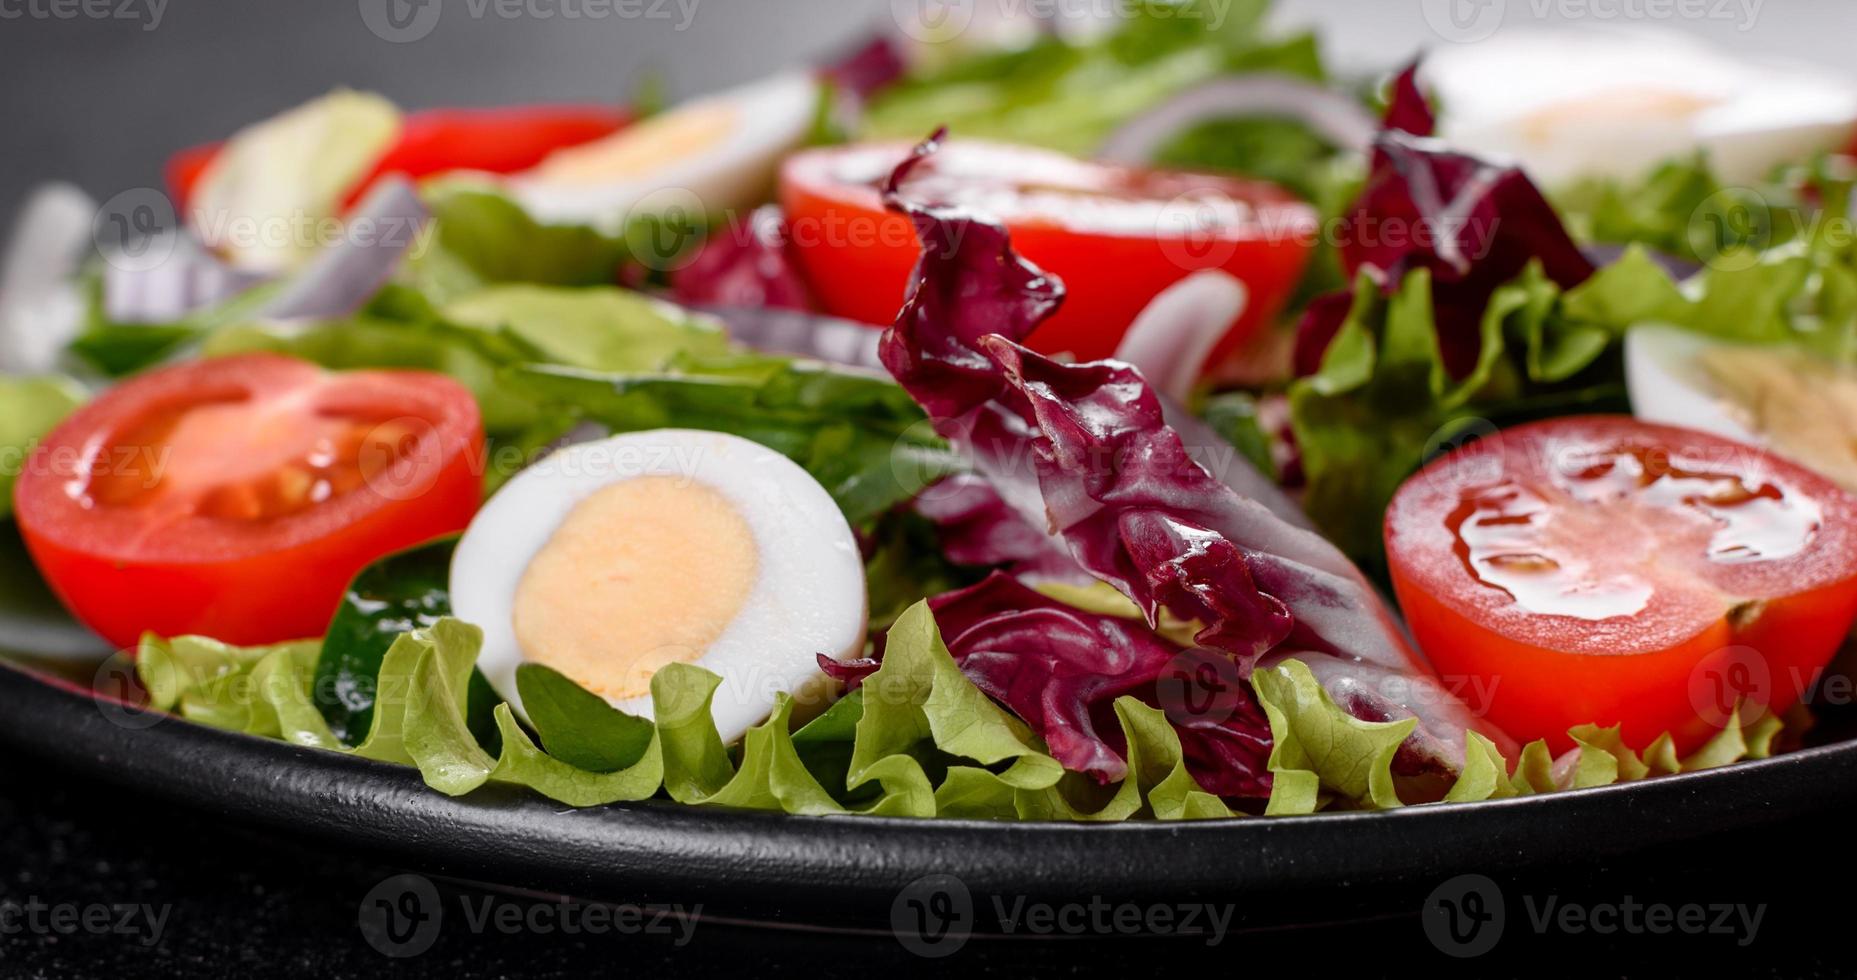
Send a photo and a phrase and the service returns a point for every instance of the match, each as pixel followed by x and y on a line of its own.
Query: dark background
pixel 103 102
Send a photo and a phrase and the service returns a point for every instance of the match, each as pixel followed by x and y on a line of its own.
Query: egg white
pixel 808 596
pixel 771 118
pixel 1748 116
pixel 1669 386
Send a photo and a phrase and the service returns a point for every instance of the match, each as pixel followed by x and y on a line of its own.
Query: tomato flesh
pixel 1609 571
pixel 1115 236
pixel 236 498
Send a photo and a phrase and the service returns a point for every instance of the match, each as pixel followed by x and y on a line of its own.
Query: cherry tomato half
pixel 236 498
pixel 497 140
pixel 1601 569
pixel 1116 236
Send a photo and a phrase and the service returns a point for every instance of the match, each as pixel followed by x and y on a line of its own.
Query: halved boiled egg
pixel 1569 104
pixel 608 560
pixel 716 153
pixel 1781 397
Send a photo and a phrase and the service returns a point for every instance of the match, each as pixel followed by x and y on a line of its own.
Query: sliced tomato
pixel 1116 236
pixel 498 140
pixel 1609 571
pixel 236 498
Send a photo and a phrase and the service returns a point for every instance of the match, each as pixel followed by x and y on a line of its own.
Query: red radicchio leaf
pixel 976 526
pixel 1474 224
pixel 1060 669
pixel 870 69
pixel 746 264
pixel 1406 108
pixel 1084 450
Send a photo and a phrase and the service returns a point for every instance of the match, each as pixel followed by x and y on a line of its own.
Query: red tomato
pixel 236 498
pixel 1116 236
pixel 500 140
pixel 1601 569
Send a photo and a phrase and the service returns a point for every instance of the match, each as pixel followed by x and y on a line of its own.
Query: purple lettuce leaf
pixel 1406 108
pixel 1060 669
pixel 745 264
pixel 874 66
pixel 1083 451
pixel 1474 224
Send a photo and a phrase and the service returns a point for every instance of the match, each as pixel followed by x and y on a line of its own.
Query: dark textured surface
pixel 243 904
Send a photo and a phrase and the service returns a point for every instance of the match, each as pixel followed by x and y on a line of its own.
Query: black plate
pixel 852 872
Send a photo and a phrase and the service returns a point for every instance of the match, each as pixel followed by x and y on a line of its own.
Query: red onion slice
pixel 1333 115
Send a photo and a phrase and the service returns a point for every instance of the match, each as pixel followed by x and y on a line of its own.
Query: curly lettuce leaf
pixel 1326 758
pixel 922 741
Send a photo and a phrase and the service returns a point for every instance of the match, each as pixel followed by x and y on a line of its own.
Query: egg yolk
pixel 1808 408
pixel 644 148
pixel 1615 107
pixel 641 574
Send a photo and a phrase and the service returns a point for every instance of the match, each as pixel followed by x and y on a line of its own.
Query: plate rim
pixel 784 868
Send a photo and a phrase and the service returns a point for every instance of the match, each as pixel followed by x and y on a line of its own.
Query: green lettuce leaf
pixel 1069 95
pixel 860 436
pixel 29 408
pixel 402 592
pixel 1682 209
pixel 918 740
pixel 1382 402
pixel 1325 757
pixel 578 726
pixel 601 329
pixel 483 238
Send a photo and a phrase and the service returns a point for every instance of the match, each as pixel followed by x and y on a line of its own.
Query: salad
pixel 1144 423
